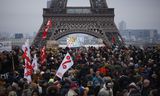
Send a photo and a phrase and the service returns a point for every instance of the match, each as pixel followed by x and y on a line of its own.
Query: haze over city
pixel 25 16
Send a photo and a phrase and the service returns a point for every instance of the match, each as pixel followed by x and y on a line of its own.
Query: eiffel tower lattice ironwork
pixel 96 20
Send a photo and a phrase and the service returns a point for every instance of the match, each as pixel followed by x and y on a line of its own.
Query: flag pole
pixel 54 77
pixel 13 66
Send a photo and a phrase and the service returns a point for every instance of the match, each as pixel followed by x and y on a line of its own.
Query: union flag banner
pixel 44 36
pixel 49 23
pixel 113 40
pixel 65 65
pixel 47 27
pixel 28 68
pixel 43 55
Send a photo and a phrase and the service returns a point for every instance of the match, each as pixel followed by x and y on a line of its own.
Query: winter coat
pixel 105 92
pixel 27 92
pixel 135 93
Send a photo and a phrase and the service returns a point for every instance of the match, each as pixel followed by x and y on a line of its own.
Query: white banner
pixel 35 64
pixel 65 65
pixel 28 66
pixel 5 46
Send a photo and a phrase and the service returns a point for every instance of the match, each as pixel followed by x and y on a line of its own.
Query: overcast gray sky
pixel 26 15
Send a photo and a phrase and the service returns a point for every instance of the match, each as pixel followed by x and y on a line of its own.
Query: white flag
pixel 27 57
pixel 35 64
pixel 65 65
pixel 26 46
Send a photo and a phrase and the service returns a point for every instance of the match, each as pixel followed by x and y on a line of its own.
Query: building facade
pixel 140 36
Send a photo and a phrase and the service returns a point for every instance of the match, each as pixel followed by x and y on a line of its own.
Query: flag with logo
pixel 28 68
pixel 65 65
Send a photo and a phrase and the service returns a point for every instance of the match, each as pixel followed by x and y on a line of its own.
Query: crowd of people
pixel 103 71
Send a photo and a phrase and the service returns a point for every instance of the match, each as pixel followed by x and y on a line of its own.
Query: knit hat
pixel 51 80
pixel 132 85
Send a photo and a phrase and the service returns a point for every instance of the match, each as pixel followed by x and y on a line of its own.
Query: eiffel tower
pixel 96 20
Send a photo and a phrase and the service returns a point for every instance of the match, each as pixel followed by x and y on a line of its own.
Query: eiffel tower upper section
pixel 60 7
pixel 96 20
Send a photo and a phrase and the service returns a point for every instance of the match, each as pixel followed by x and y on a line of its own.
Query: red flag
pixel 49 23
pixel 113 39
pixel 47 27
pixel 44 36
pixel 28 66
pixel 29 69
pixel 24 56
pixel 43 55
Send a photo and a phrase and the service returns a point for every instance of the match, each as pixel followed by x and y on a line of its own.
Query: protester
pixel 133 90
pixel 107 89
pixel 103 71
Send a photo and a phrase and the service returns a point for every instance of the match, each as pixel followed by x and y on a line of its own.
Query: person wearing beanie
pixel 52 91
pixel 133 90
